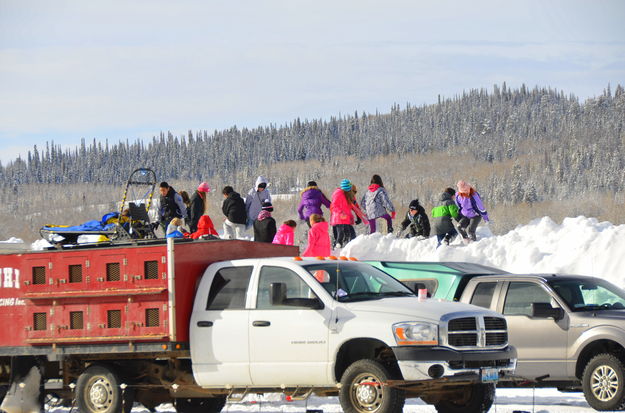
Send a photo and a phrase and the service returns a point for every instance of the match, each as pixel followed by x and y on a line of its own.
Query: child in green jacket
pixel 442 215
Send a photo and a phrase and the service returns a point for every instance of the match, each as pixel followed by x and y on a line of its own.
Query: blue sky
pixel 129 69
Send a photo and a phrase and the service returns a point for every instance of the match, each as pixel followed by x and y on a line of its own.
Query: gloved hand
pixel 358 220
pixel 393 214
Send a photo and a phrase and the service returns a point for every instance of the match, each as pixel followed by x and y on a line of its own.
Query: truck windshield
pixel 589 294
pixel 356 282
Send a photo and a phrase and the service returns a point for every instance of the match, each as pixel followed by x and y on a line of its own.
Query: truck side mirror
pixel 545 310
pixel 277 293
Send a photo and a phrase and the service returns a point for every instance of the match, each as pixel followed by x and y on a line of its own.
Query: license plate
pixel 490 375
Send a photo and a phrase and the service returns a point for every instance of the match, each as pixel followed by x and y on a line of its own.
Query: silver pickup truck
pixel 569 331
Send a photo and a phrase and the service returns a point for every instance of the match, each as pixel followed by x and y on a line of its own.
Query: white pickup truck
pixel 200 323
pixel 302 325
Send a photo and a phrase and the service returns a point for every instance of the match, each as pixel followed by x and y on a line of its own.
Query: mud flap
pixel 25 393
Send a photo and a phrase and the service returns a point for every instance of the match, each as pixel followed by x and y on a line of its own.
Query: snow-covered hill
pixel 577 246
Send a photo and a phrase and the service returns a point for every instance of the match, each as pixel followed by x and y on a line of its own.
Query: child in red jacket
pixel 318 238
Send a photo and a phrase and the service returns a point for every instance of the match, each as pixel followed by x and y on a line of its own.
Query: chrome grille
pixel 476 332
pixel 495 323
pixel 496 339
pixel 462 324
pixel 463 339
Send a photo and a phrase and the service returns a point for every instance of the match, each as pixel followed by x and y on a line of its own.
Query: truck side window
pixel 483 294
pixel 295 287
pixel 229 287
pixel 520 297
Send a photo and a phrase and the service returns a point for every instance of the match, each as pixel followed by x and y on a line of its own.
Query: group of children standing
pixel 464 206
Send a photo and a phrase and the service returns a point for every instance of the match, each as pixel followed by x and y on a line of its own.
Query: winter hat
pixel 311 183
pixel 414 204
pixel 346 185
pixel 204 187
pixel 267 206
pixel 463 187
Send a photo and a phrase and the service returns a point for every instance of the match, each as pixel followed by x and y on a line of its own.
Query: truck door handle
pixel 261 323
pixel 204 323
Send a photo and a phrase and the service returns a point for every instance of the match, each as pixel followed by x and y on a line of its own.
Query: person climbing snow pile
pixel 472 211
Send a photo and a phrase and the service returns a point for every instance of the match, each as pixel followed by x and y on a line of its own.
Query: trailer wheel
pixel 195 405
pixel 603 382
pixel 478 398
pixel 98 391
pixel 363 389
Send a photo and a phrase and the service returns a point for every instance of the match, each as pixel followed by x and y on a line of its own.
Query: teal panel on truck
pixel 444 280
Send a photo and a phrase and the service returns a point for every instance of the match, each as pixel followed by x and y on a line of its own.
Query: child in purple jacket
pixel 312 200
pixel 471 210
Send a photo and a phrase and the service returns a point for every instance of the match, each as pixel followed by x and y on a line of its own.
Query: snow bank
pixel 12 240
pixel 577 246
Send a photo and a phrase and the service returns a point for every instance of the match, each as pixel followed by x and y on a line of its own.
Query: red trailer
pixel 65 308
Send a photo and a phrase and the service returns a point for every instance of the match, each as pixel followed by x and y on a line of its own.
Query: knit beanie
pixel 204 187
pixel 463 187
pixel 414 204
pixel 267 206
pixel 346 185
pixel 311 183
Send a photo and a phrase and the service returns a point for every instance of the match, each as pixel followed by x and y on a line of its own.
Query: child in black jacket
pixel 417 220
pixel 265 225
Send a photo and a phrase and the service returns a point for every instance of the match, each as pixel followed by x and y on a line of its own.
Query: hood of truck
pixel 411 308
pixel 598 317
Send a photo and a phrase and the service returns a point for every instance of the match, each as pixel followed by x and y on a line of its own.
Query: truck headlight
pixel 416 334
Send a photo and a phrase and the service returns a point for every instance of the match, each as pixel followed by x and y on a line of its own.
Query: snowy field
pixel 577 246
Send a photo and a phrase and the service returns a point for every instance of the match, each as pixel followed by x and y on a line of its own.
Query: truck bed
pixel 125 298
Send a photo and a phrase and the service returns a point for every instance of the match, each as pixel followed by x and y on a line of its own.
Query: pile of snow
pixel 577 246
pixel 13 240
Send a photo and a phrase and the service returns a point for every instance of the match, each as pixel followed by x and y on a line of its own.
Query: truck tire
pixel 363 389
pixel 194 405
pixel 480 398
pixel 98 391
pixel 603 382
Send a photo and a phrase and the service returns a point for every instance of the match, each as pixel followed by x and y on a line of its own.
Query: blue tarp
pixel 104 224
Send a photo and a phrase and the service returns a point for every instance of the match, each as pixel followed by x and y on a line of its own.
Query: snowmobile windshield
pixel 348 282
pixel 589 294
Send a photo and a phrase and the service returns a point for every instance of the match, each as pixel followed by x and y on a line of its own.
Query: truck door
pixel 219 333
pixel 541 343
pixel 288 343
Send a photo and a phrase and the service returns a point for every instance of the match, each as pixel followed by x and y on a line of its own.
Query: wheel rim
pixel 101 394
pixel 367 393
pixel 604 383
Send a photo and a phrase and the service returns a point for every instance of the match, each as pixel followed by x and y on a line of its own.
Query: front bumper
pixel 417 363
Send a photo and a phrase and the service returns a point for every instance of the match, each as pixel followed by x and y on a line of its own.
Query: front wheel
pixel 98 391
pixel 195 405
pixel 477 398
pixel 603 381
pixel 364 389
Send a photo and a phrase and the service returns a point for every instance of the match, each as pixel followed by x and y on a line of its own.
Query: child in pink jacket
pixel 318 238
pixel 286 233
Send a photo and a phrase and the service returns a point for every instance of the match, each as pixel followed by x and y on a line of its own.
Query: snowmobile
pixel 131 222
